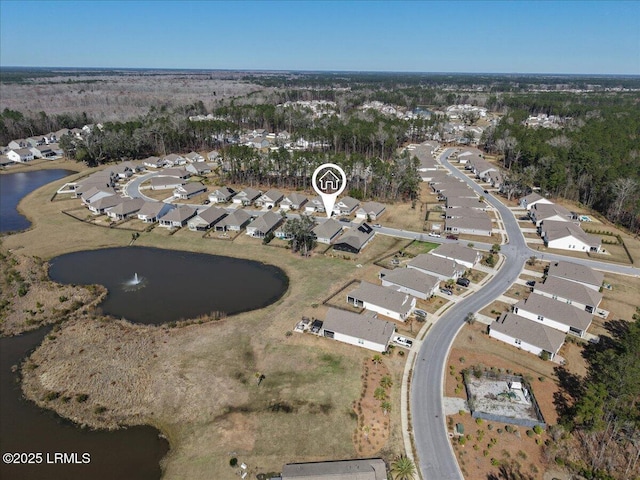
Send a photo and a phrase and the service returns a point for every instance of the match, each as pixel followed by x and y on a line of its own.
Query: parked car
pixel 346 220
pixel 531 283
pixel 486 191
pixel 434 234
pixel 463 282
pixel 446 291
pixel 405 342
pixel 376 225
pixel 452 237
pixel 420 313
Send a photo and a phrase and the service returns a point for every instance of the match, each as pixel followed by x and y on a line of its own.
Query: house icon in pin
pixel 329 181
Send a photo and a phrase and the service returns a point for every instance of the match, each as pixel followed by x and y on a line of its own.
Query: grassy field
pixel 197 383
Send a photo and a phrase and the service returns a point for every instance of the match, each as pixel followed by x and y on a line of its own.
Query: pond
pixel 14 187
pixel 134 453
pixel 154 286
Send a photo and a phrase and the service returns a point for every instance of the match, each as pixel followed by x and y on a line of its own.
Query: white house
pixel 532 199
pixel 247 196
pixel 178 217
pixel 189 190
pixel 314 205
pixel 568 236
pixel 328 231
pixel 569 292
pixel 345 206
pixel 364 331
pixel 541 212
pixel 372 210
pixel 20 155
pixel 411 281
pixel 269 199
pixel 442 268
pixel 293 201
pixel 264 224
pixel 556 314
pixel 221 195
pixel 127 208
pixel 150 211
pixel 469 225
pixel 463 255
pixel 383 300
pixel 575 272
pixel 194 157
pixel 532 337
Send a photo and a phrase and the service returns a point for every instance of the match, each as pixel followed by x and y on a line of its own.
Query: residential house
pixel 42 151
pixel 345 206
pixel 463 255
pixel 495 179
pixel 151 212
pixel 178 172
pixel 98 205
pixel 469 225
pixel 569 292
pixel 575 272
pixel 86 190
pixel 532 199
pixel 556 314
pixel 18 144
pixel 442 268
pixel 370 211
pixel 247 196
pixel 213 156
pixel 173 160
pixel 264 224
pixel 94 193
pixel 464 212
pixel 194 157
pixel 269 199
pixel 120 172
pixel 466 202
pixel 221 195
pixel 568 236
pixel 530 336
pixel 383 300
pixel 129 207
pixel 328 231
pixel 165 183
pixel 293 201
pixel 154 162
pixel 314 205
pixel 234 222
pixel 354 240
pixel 410 281
pixel 459 191
pixel 540 212
pixel 189 190
pixel 199 168
pixel 178 217
pixel 364 331
pixel 20 155
pixel 206 219
pixel 369 469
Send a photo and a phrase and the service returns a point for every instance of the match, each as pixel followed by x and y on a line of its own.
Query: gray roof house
pixel 166 183
pixel 99 205
pixel 383 300
pixel 293 201
pixel 234 222
pixel 531 199
pixel 247 196
pixel 264 224
pixel 354 240
pixel 469 225
pixel 466 202
pixel 199 168
pixel 154 162
pixel 569 292
pixel 463 255
pixel 556 314
pixel 314 205
pixel 442 268
pixel 540 212
pixel 178 217
pixel 206 219
pixel 575 272
pixel 179 172
pixel 364 331
pixel 127 208
pixel 568 236
pixel 221 195
pixel 328 231
pixel 189 190
pixel 345 206
pixel 194 157
pixel 526 334
pixel 173 159
pixel 270 199
pixel 373 210
pixel 150 211
pixel 411 281
pixel 369 469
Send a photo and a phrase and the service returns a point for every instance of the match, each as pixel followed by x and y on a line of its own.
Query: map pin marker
pixel 328 184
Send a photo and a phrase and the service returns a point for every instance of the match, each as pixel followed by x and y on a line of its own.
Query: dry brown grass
pixel 196 383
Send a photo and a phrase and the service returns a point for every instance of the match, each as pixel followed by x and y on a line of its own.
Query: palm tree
pixel 377 359
pixel 403 468
pixel 380 394
pixel 386 407
pixel 386 382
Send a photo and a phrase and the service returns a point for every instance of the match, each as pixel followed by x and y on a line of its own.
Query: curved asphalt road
pixel 435 454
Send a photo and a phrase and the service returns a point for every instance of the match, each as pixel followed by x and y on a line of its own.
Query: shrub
pixel 462 440
pixel 530 433
pixel 490 426
pixel 51 396
pixel 538 429
pixel 495 462
pixel 479 421
pixel 233 462
pixel 82 397
pixel 100 409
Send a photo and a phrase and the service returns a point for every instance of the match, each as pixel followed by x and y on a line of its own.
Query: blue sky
pixel 599 37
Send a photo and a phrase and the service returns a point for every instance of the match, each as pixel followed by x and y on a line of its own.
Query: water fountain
pixel 133 284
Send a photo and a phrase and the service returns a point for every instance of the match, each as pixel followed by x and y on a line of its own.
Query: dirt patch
pixel 373 408
pixel 495 309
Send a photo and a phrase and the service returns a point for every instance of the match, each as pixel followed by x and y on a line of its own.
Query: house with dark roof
pixel 354 240
pixel 328 231
pixel 410 281
pixel 556 314
pixel 383 300
pixel 364 330
pixel 530 336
